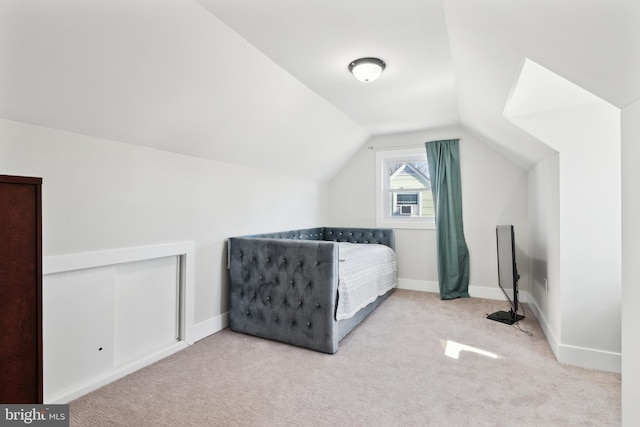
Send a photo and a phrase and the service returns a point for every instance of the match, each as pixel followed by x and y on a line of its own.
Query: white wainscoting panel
pixel 77 327
pixel 109 313
pixel 146 308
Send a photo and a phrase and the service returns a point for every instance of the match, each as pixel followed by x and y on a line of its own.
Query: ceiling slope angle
pixel 167 75
pixel 316 41
pixel 555 110
pixel 538 89
pixel 592 45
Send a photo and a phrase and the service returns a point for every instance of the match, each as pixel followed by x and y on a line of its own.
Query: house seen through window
pixel 404 190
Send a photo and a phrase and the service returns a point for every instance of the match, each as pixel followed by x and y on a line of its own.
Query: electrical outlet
pixel 546 286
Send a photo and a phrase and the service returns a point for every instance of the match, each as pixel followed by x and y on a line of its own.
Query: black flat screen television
pixel 507 275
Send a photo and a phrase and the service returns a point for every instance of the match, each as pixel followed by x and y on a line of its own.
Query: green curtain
pixel 453 255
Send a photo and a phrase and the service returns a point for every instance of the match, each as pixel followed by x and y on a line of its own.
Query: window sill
pixel 406 224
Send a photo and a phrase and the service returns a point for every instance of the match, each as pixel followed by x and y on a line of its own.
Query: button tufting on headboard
pixel 279 288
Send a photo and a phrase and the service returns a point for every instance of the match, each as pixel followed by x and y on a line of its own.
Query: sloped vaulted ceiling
pixel 165 74
pixel 593 44
pixel 265 83
pixel 316 40
pixel 449 61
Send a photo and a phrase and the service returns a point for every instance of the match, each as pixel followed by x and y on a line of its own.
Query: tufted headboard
pixel 284 284
pixel 383 236
pixel 303 234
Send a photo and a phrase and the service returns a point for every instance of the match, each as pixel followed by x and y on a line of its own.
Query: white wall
pixel 165 74
pixel 100 194
pixel 588 140
pixel 630 270
pixel 494 191
pixel 544 246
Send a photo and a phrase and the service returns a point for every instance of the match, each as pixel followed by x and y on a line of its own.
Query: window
pixel 403 190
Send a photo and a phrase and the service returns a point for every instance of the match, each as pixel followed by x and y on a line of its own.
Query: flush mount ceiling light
pixel 367 69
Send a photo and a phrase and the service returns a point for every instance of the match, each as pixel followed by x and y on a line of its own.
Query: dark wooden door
pixel 20 290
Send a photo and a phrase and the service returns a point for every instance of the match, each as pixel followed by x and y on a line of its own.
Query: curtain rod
pixel 414 145
pixel 371 147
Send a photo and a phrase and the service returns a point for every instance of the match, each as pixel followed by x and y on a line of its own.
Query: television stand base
pixel 508 317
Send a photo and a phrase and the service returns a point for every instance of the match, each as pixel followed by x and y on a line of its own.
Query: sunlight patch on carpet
pixel 453 349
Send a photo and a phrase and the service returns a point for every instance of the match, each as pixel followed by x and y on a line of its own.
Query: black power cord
pixel 516 324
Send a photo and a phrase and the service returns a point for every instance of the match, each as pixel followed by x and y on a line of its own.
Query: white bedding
pixel 366 271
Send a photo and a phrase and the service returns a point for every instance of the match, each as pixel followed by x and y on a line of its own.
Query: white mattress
pixel 366 271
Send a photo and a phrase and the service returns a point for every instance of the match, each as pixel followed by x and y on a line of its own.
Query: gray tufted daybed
pixel 285 286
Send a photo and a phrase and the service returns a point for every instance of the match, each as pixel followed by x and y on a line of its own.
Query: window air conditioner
pixel 406 209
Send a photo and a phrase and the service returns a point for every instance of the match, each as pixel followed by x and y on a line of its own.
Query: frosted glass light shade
pixel 367 69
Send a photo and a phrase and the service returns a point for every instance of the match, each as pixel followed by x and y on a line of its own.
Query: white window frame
pixel 383 219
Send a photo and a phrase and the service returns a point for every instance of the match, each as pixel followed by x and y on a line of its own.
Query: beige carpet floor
pixel 416 361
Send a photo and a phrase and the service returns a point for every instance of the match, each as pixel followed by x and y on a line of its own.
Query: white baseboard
pixel 120 372
pixel 546 329
pixel 199 331
pixel 590 358
pixel 577 356
pixel 418 285
pixel 567 354
pixel 474 291
pixel 210 326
